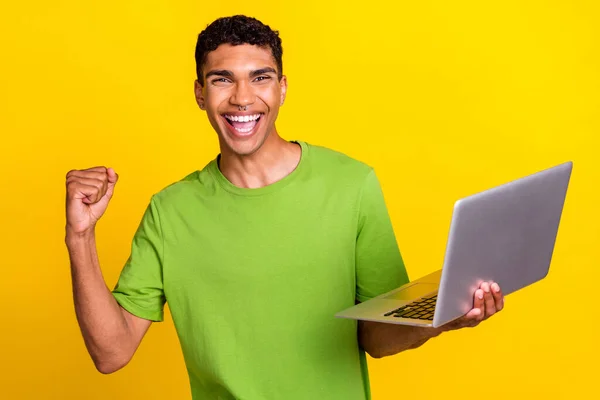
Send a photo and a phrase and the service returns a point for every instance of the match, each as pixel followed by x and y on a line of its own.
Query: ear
pixel 199 96
pixel 283 85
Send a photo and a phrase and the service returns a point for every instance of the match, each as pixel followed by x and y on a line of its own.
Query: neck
pixel 273 161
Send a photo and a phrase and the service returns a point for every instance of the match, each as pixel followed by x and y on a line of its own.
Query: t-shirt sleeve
pixel 139 289
pixel 379 264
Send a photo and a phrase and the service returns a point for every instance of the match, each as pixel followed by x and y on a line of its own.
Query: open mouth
pixel 242 124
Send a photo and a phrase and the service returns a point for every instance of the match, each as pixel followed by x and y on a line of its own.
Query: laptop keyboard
pixel 422 308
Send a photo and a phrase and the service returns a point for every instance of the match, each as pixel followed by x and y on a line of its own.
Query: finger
pixel 468 320
pixel 488 298
pixel 80 191
pixel 478 299
pixel 100 184
pixel 87 174
pixel 498 296
pixel 473 317
pixel 96 169
pixel 479 304
pixel 113 177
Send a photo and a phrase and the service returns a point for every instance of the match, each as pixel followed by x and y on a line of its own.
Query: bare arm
pixel 111 334
pixel 381 340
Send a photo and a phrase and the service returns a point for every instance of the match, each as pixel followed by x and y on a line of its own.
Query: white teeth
pixel 242 118
pixel 244 130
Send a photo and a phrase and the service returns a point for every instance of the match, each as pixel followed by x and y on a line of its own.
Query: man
pixel 255 253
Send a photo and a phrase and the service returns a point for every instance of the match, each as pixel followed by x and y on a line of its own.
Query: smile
pixel 242 124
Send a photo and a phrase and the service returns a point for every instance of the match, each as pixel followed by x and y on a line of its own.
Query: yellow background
pixel 443 98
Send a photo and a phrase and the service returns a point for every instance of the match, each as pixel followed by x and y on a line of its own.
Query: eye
pixel 219 81
pixel 262 78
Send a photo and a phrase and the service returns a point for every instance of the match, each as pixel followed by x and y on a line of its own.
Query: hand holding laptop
pixel 487 301
pixel 502 236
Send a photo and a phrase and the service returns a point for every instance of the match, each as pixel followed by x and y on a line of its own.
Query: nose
pixel 243 94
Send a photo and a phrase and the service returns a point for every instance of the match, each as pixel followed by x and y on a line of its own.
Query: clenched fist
pixel 88 194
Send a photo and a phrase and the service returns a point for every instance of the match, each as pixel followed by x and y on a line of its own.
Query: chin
pixel 245 147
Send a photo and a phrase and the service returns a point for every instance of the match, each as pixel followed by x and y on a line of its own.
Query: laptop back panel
pixel 505 234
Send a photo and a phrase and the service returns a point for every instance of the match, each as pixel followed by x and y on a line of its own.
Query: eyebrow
pixel 229 74
pixel 263 71
pixel 219 72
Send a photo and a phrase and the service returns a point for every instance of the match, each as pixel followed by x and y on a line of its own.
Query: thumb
pixel 113 177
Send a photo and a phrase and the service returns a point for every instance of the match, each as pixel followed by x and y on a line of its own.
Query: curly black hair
pixel 237 30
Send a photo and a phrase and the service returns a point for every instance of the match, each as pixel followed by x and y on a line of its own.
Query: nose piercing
pixel 244 108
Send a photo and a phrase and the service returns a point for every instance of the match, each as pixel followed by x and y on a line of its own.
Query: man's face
pixel 245 76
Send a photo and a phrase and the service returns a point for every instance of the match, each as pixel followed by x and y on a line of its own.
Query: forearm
pixel 101 319
pixel 381 340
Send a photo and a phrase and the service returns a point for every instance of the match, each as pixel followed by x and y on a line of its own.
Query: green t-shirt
pixel 253 277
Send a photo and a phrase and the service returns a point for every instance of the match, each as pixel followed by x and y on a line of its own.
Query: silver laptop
pixel 505 234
